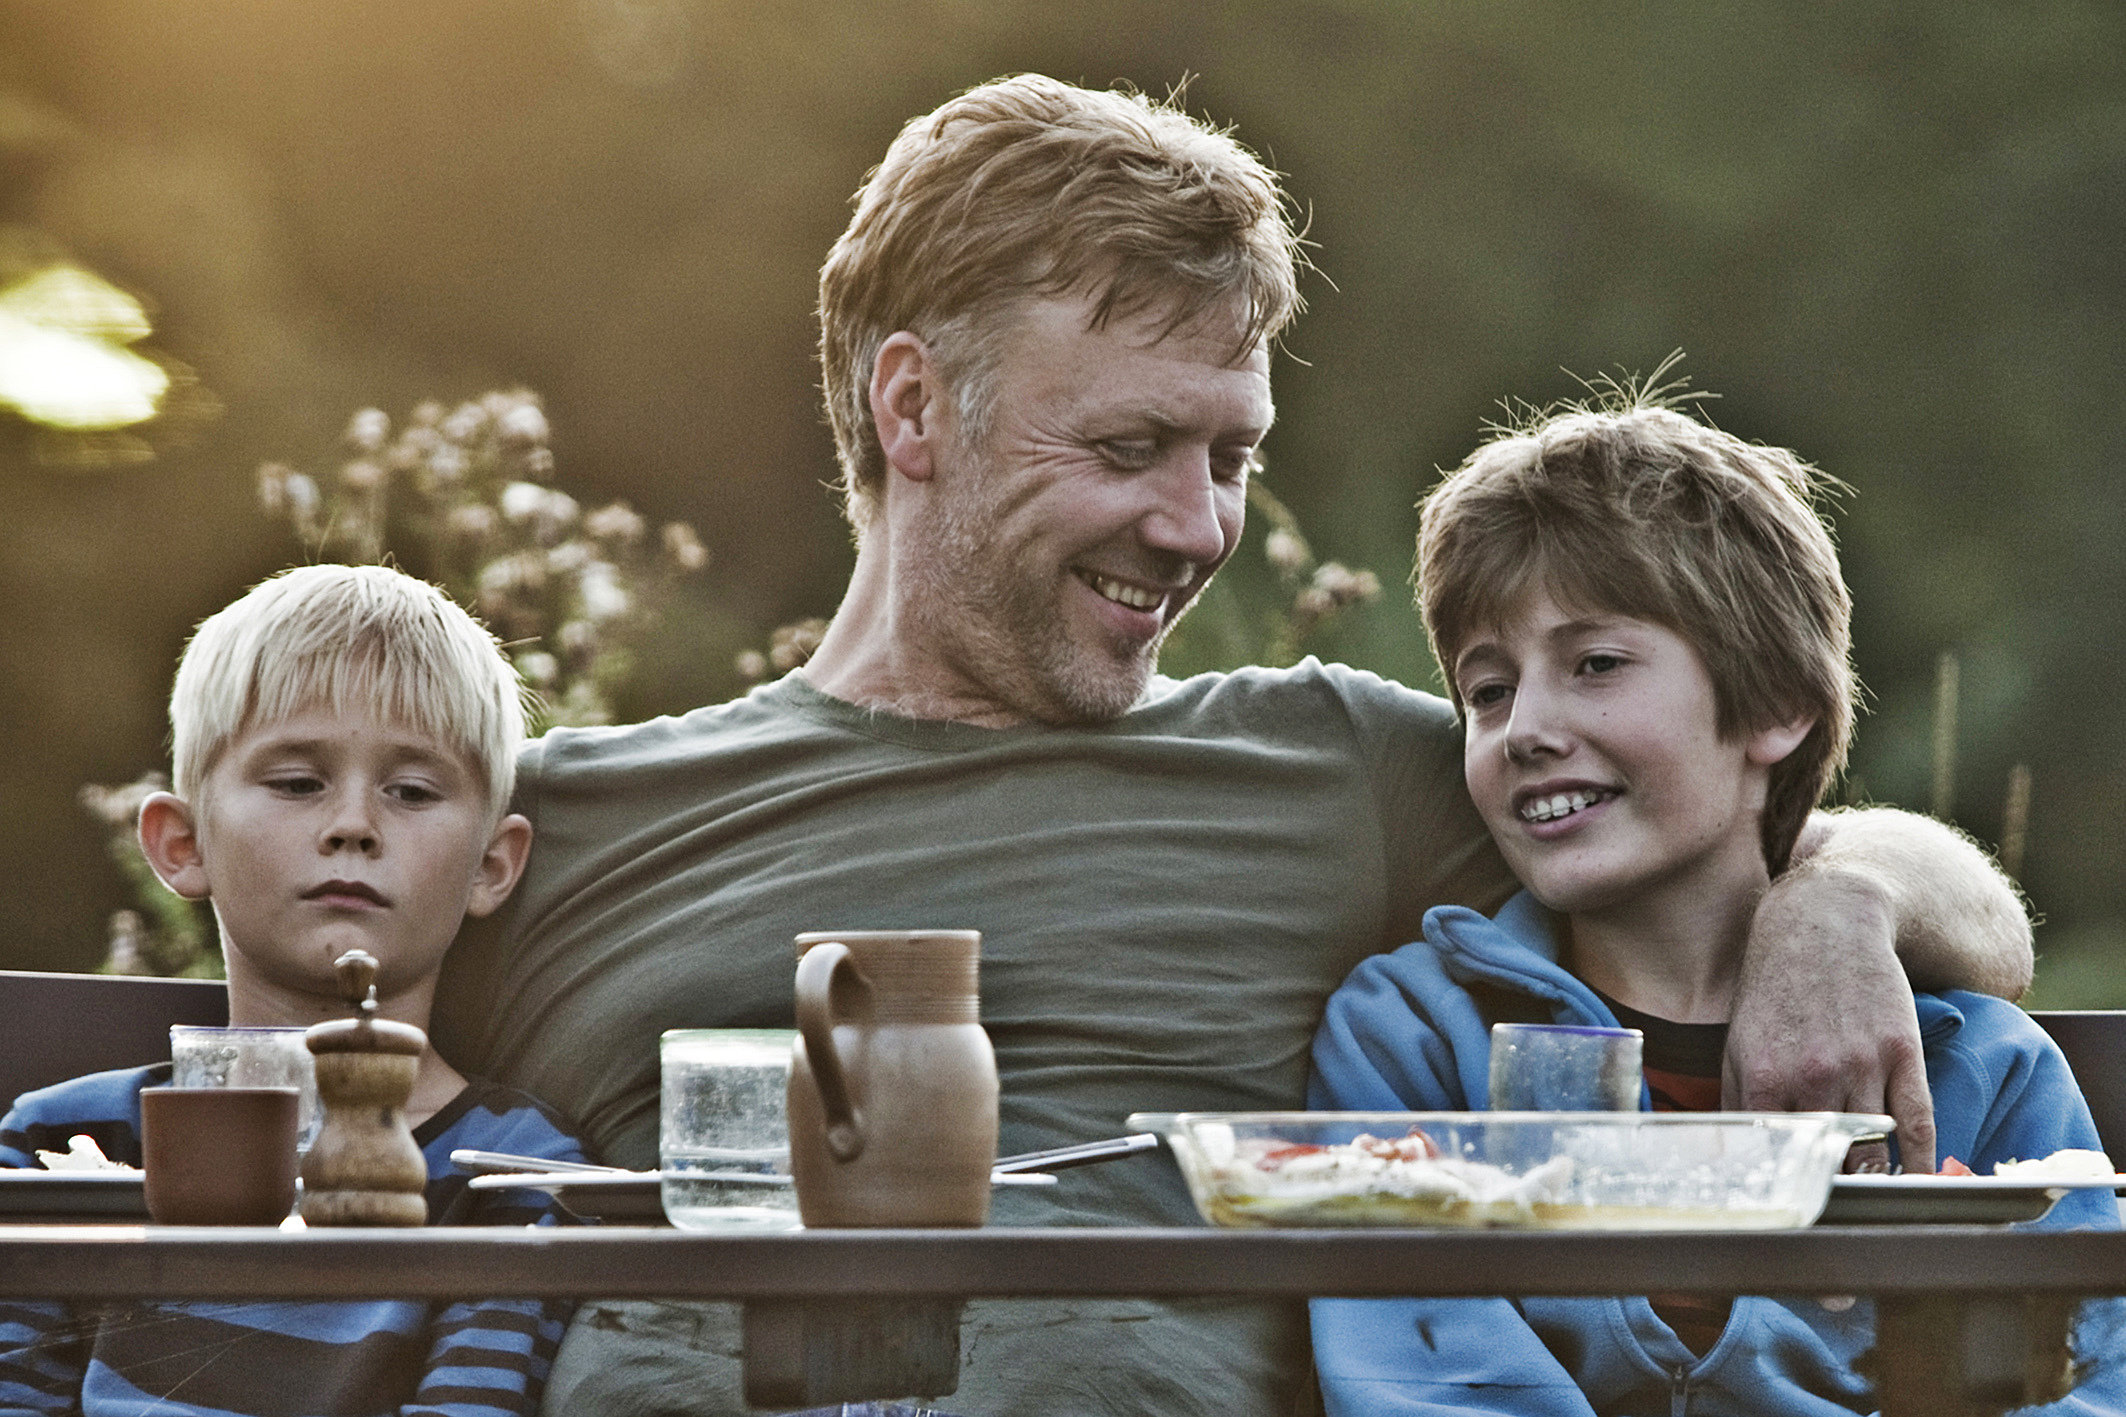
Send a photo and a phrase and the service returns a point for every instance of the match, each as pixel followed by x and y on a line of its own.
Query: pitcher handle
pixel 816 972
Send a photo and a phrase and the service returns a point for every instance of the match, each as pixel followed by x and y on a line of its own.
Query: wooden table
pixel 1970 1318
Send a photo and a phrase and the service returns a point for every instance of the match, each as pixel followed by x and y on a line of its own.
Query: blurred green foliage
pixel 1885 232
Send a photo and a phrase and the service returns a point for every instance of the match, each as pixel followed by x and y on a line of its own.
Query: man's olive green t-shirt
pixel 1165 903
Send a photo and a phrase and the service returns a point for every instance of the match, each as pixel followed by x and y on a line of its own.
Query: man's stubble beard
pixel 1006 633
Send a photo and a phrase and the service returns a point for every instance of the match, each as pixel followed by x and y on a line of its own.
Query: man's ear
pixel 500 865
pixel 169 838
pixel 1768 746
pixel 907 397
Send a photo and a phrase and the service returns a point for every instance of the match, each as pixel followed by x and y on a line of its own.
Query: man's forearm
pixel 1959 922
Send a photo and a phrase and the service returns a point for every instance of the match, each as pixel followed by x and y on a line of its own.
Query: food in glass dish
pixel 1403 1177
pixel 1547 1171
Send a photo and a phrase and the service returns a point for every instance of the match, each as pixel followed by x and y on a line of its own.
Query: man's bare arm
pixel 1876 903
pixel 1961 924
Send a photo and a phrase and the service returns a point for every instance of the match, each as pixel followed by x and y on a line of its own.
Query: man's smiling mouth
pixel 1556 806
pixel 1123 593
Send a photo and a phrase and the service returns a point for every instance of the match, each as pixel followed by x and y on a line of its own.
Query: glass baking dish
pixel 1522 1170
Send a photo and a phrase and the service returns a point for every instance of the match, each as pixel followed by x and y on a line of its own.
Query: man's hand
pixel 1823 1017
pixel 1876 903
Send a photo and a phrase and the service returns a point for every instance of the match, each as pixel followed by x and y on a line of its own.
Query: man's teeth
pixel 1561 804
pixel 1123 594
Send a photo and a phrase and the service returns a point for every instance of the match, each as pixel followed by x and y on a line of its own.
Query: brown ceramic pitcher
pixel 893 1086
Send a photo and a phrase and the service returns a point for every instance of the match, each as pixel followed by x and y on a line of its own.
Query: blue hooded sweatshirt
pixel 1405 1032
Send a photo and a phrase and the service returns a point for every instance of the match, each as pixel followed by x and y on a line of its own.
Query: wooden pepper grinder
pixel 364 1168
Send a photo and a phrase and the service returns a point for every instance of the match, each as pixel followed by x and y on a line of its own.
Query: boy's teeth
pixel 1560 804
pixel 1122 594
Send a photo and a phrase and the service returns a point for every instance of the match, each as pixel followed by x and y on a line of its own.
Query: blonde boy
pixel 1644 631
pixel 345 742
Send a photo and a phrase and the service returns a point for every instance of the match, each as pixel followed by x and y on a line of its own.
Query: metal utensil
pixel 579 1181
pixel 1055 1158
pixel 482 1163
pixel 1083 1153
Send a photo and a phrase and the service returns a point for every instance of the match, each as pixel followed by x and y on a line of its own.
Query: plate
pixel 637 1197
pixel 630 1199
pixel 35 1197
pixel 1950 1200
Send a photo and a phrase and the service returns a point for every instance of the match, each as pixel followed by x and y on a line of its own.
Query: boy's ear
pixel 1768 746
pixel 500 865
pixel 906 399
pixel 169 838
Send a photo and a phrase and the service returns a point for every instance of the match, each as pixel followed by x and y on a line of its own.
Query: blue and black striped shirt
pixel 480 1358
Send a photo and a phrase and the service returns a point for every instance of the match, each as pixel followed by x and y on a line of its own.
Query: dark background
pixel 1888 234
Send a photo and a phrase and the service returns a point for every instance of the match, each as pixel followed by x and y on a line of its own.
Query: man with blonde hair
pixel 1046 339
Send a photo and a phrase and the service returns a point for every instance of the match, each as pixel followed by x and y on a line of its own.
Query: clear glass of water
pixel 724 1132
pixel 1540 1067
pixel 201 1056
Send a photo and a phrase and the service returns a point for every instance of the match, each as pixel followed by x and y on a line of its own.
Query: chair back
pixel 2094 1041
pixel 58 1026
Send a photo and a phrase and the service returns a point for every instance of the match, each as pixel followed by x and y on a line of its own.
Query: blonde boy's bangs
pixel 364 639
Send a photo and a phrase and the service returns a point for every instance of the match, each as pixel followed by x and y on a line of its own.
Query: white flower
pixel 448 463
pixel 525 571
pixel 539 668
pixel 556 515
pixel 463 424
pixel 792 645
pixel 273 488
pixel 582 705
pixel 1345 586
pixel 521 501
pixel 603 596
pixel 578 639
pixel 475 521
pixel 684 547
pixel 522 424
pixel 616 522
pixel 412 448
pixel 367 430
pixel 362 475
pixel 302 495
pixel 1285 550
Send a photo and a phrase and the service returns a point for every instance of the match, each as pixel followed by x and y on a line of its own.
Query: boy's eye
pixel 1601 663
pixel 296 784
pixel 413 793
pixel 1485 695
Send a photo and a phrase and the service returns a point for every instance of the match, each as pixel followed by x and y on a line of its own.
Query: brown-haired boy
pixel 1644 630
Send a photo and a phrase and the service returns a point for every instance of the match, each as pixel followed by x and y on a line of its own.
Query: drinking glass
pixel 724 1131
pixel 201 1056
pixel 1542 1067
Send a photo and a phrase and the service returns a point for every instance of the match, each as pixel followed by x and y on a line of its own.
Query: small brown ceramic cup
pixel 219 1155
